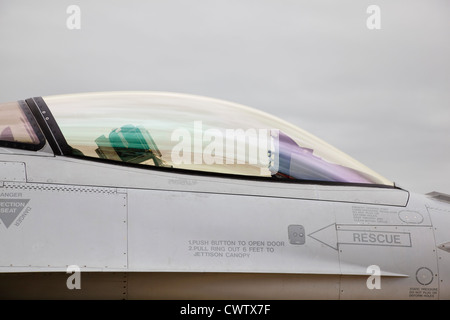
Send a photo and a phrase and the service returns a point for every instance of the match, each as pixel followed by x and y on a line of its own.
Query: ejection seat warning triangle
pixel 10 209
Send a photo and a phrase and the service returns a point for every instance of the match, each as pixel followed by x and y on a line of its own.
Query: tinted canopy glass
pixel 18 128
pixel 198 133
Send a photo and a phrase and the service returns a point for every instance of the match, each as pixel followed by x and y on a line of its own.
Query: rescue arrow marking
pixel 327 236
pixel 333 236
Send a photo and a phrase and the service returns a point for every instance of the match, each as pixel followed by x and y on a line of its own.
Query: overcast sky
pixel 380 95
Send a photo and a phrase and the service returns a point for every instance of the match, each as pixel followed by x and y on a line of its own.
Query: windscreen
pixel 201 134
pixel 18 129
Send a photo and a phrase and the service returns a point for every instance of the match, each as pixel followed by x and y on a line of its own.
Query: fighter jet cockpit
pixel 168 131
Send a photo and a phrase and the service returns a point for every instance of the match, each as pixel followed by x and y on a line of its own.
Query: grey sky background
pixel 381 96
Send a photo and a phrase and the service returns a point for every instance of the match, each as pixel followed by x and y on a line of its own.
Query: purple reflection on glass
pixel 300 163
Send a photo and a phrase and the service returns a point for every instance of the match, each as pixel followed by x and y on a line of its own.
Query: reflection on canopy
pixel 296 162
pixel 145 127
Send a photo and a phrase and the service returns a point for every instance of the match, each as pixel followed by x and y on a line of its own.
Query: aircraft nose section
pixel 439 210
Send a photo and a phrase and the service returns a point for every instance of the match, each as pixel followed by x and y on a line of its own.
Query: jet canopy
pixel 196 133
